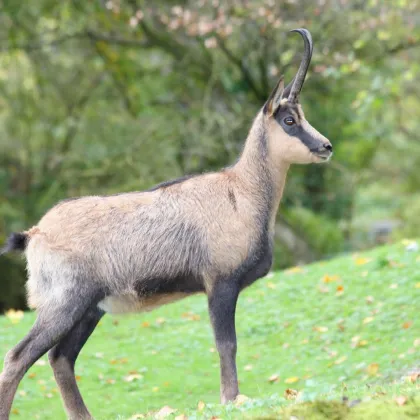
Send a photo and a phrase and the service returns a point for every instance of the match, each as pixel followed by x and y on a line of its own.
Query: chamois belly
pixel 130 302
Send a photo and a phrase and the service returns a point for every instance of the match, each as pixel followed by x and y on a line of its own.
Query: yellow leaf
pixel 321 329
pixel 361 260
pixel 32 375
pixel 132 377
pixel 14 316
pixel 201 406
pixel 340 289
pixel 291 394
pixel 271 285
pixel 110 381
pixel 368 319
pixel 363 343
pixel 291 380
pixel 340 360
pixel 145 324
pixel 417 342
pixel 15 411
pixel 328 279
pixel 372 369
pixel 165 412
pixel 155 389
pixel 240 399
pixel 294 270
pixel 417 285
pixel 273 378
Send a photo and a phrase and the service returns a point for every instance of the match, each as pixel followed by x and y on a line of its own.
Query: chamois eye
pixel 289 121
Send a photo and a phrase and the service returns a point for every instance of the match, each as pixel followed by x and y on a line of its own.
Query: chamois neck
pixel 264 176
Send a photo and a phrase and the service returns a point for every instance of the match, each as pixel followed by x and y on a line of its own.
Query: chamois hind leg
pixel 53 322
pixel 63 358
pixel 222 306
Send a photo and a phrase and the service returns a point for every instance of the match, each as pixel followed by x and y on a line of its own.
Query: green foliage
pixel 320 232
pixel 295 327
pixel 103 97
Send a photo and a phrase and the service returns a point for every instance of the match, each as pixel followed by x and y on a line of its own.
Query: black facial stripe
pixel 296 130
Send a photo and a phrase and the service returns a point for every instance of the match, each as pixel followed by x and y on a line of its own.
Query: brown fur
pixel 136 251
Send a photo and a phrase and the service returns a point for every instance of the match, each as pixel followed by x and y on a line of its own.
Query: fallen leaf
pixel 212 349
pixel 364 273
pixel 160 321
pixel 248 367
pixel 291 394
pixel 291 380
pixel 240 399
pixel 137 416
pixel 15 411
pixel 370 299
pixel 340 289
pixel 273 378
pixel 145 324
pixel 78 378
pixel 323 289
pixel 200 406
pixel 414 377
pixel 215 418
pixel 40 362
pixel 361 260
pixel 132 377
pixel 372 369
pixel 110 381
pixel 22 393
pixel 340 360
pixel 401 400
pixel 32 375
pixel 165 412
pixel 328 279
pixel 393 286
pixel 368 319
pixel 181 417
pixel 294 270
pixel 407 324
pixel 191 316
pixel 155 389
pixel 321 329
pixel 14 316
pixel 115 322
pixel 417 342
pixel 417 285
pixel 271 285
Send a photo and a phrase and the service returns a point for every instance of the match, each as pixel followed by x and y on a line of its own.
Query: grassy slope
pixel 293 325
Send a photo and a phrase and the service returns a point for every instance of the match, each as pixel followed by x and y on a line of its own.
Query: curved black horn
pixel 303 68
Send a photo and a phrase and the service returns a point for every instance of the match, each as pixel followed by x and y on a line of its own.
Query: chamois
pixel 133 252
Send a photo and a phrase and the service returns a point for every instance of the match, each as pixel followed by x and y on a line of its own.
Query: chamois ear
pixel 274 99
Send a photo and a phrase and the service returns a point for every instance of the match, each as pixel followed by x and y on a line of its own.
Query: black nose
pixel 328 147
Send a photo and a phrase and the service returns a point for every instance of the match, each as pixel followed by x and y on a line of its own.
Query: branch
pixel 241 66
pixel 88 34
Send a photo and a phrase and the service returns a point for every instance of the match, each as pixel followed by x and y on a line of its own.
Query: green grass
pixel 292 326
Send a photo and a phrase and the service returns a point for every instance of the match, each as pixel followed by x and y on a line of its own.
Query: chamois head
pixel 291 137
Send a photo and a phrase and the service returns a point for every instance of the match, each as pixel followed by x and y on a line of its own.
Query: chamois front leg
pixel 222 305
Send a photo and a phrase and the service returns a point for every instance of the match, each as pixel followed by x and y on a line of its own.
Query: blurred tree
pixel 108 96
